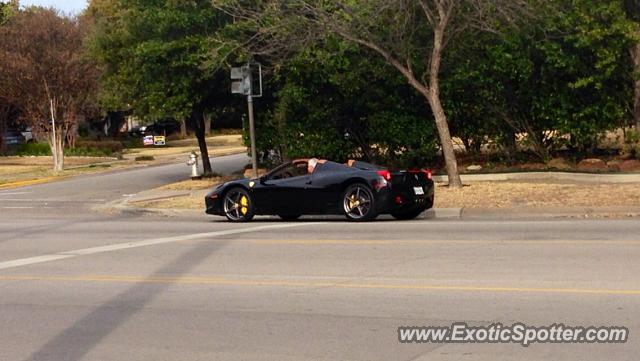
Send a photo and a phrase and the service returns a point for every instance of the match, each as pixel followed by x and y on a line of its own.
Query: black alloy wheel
pixel 238 205
pixel 358 203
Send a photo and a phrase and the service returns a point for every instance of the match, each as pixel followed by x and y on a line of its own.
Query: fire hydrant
pixel 193 162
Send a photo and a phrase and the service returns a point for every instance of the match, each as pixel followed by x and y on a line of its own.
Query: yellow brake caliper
pixel 244 205
pixel 353 202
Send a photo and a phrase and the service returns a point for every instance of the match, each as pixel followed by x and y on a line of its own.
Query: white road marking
pixel 20 207
pixel 150 242
pixel 13 193
pixel 20 200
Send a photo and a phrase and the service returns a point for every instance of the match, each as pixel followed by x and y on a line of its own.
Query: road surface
pixel 80 285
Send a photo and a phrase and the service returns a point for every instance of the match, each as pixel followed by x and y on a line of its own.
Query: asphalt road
pixel 78 194
pixel 80 285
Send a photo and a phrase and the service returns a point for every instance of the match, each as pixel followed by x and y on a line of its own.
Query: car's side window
pixel 291 171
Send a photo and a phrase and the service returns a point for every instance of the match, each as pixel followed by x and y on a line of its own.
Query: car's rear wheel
pixel 238 205
pixel 407 215
pixel 289 217
pixel 358 203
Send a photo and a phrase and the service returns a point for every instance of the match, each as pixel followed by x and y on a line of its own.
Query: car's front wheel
pixel 238 205
pixel 358 203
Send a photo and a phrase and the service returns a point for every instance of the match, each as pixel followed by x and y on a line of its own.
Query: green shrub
pixel 107 147
pixel 82 149
pixel 36 149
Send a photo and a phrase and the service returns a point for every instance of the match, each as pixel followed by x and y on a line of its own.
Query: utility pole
pixel 252 136
pixel 243 84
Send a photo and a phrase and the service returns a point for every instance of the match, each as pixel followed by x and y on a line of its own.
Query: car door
pixel 282 196
pixel 322 190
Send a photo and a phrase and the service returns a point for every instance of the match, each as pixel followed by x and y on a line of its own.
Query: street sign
pixel 159 140
pixel 242 80
pixel 247 80
pixel 147 140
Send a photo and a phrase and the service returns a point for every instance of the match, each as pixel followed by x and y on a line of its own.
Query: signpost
pixel 243 79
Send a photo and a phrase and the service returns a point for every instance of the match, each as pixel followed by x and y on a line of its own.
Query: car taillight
pixel 385 174
pixel 427 173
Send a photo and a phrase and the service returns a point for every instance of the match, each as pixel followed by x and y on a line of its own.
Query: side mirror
pixel 263 179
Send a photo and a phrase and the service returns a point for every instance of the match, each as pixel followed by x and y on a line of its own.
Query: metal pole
pixel 252 136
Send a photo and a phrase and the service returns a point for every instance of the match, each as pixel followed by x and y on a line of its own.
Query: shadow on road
pixel 324 219
pixel 76 341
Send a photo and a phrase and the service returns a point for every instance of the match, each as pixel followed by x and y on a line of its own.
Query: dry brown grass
pixel 193 185
pixel 47 161
pixel 14 169
pixel 534 194
pixel 184 202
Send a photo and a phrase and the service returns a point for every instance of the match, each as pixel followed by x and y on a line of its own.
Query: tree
pixel 561 82
pixel 410 35
pixel 336 101
pixel 43 73
pixel 159 60
pixel 632 10
pixel 7 9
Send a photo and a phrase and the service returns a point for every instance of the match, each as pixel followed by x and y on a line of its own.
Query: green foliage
pixel 568 74
pixel 337 101
pixel 157 55
pixel 7 9
pixel 82 149
pixel 35 149
pixel 96 148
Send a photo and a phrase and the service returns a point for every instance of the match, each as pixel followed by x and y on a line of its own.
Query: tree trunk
pixel 635 54
pixel 207 124
pixel 448 151
pixel 510 146
pixel 183 129
pixel 198 117
pixel 433 96
pixel 2 130
pixel 57 150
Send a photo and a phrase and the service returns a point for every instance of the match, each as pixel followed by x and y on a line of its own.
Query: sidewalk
pixel 534 213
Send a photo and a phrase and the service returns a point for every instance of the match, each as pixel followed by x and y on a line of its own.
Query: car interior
pixel 295 169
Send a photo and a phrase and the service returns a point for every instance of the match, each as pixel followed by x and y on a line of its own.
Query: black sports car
pixel 358 190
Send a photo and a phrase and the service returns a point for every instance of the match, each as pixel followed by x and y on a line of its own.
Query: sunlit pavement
pixel 202 289
pixel 81 285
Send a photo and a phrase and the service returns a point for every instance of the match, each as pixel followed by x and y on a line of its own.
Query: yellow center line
pixel 438 242
pixel 343 284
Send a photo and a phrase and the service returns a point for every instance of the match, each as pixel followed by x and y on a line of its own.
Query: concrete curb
pixel 541 176
pixel 546 212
